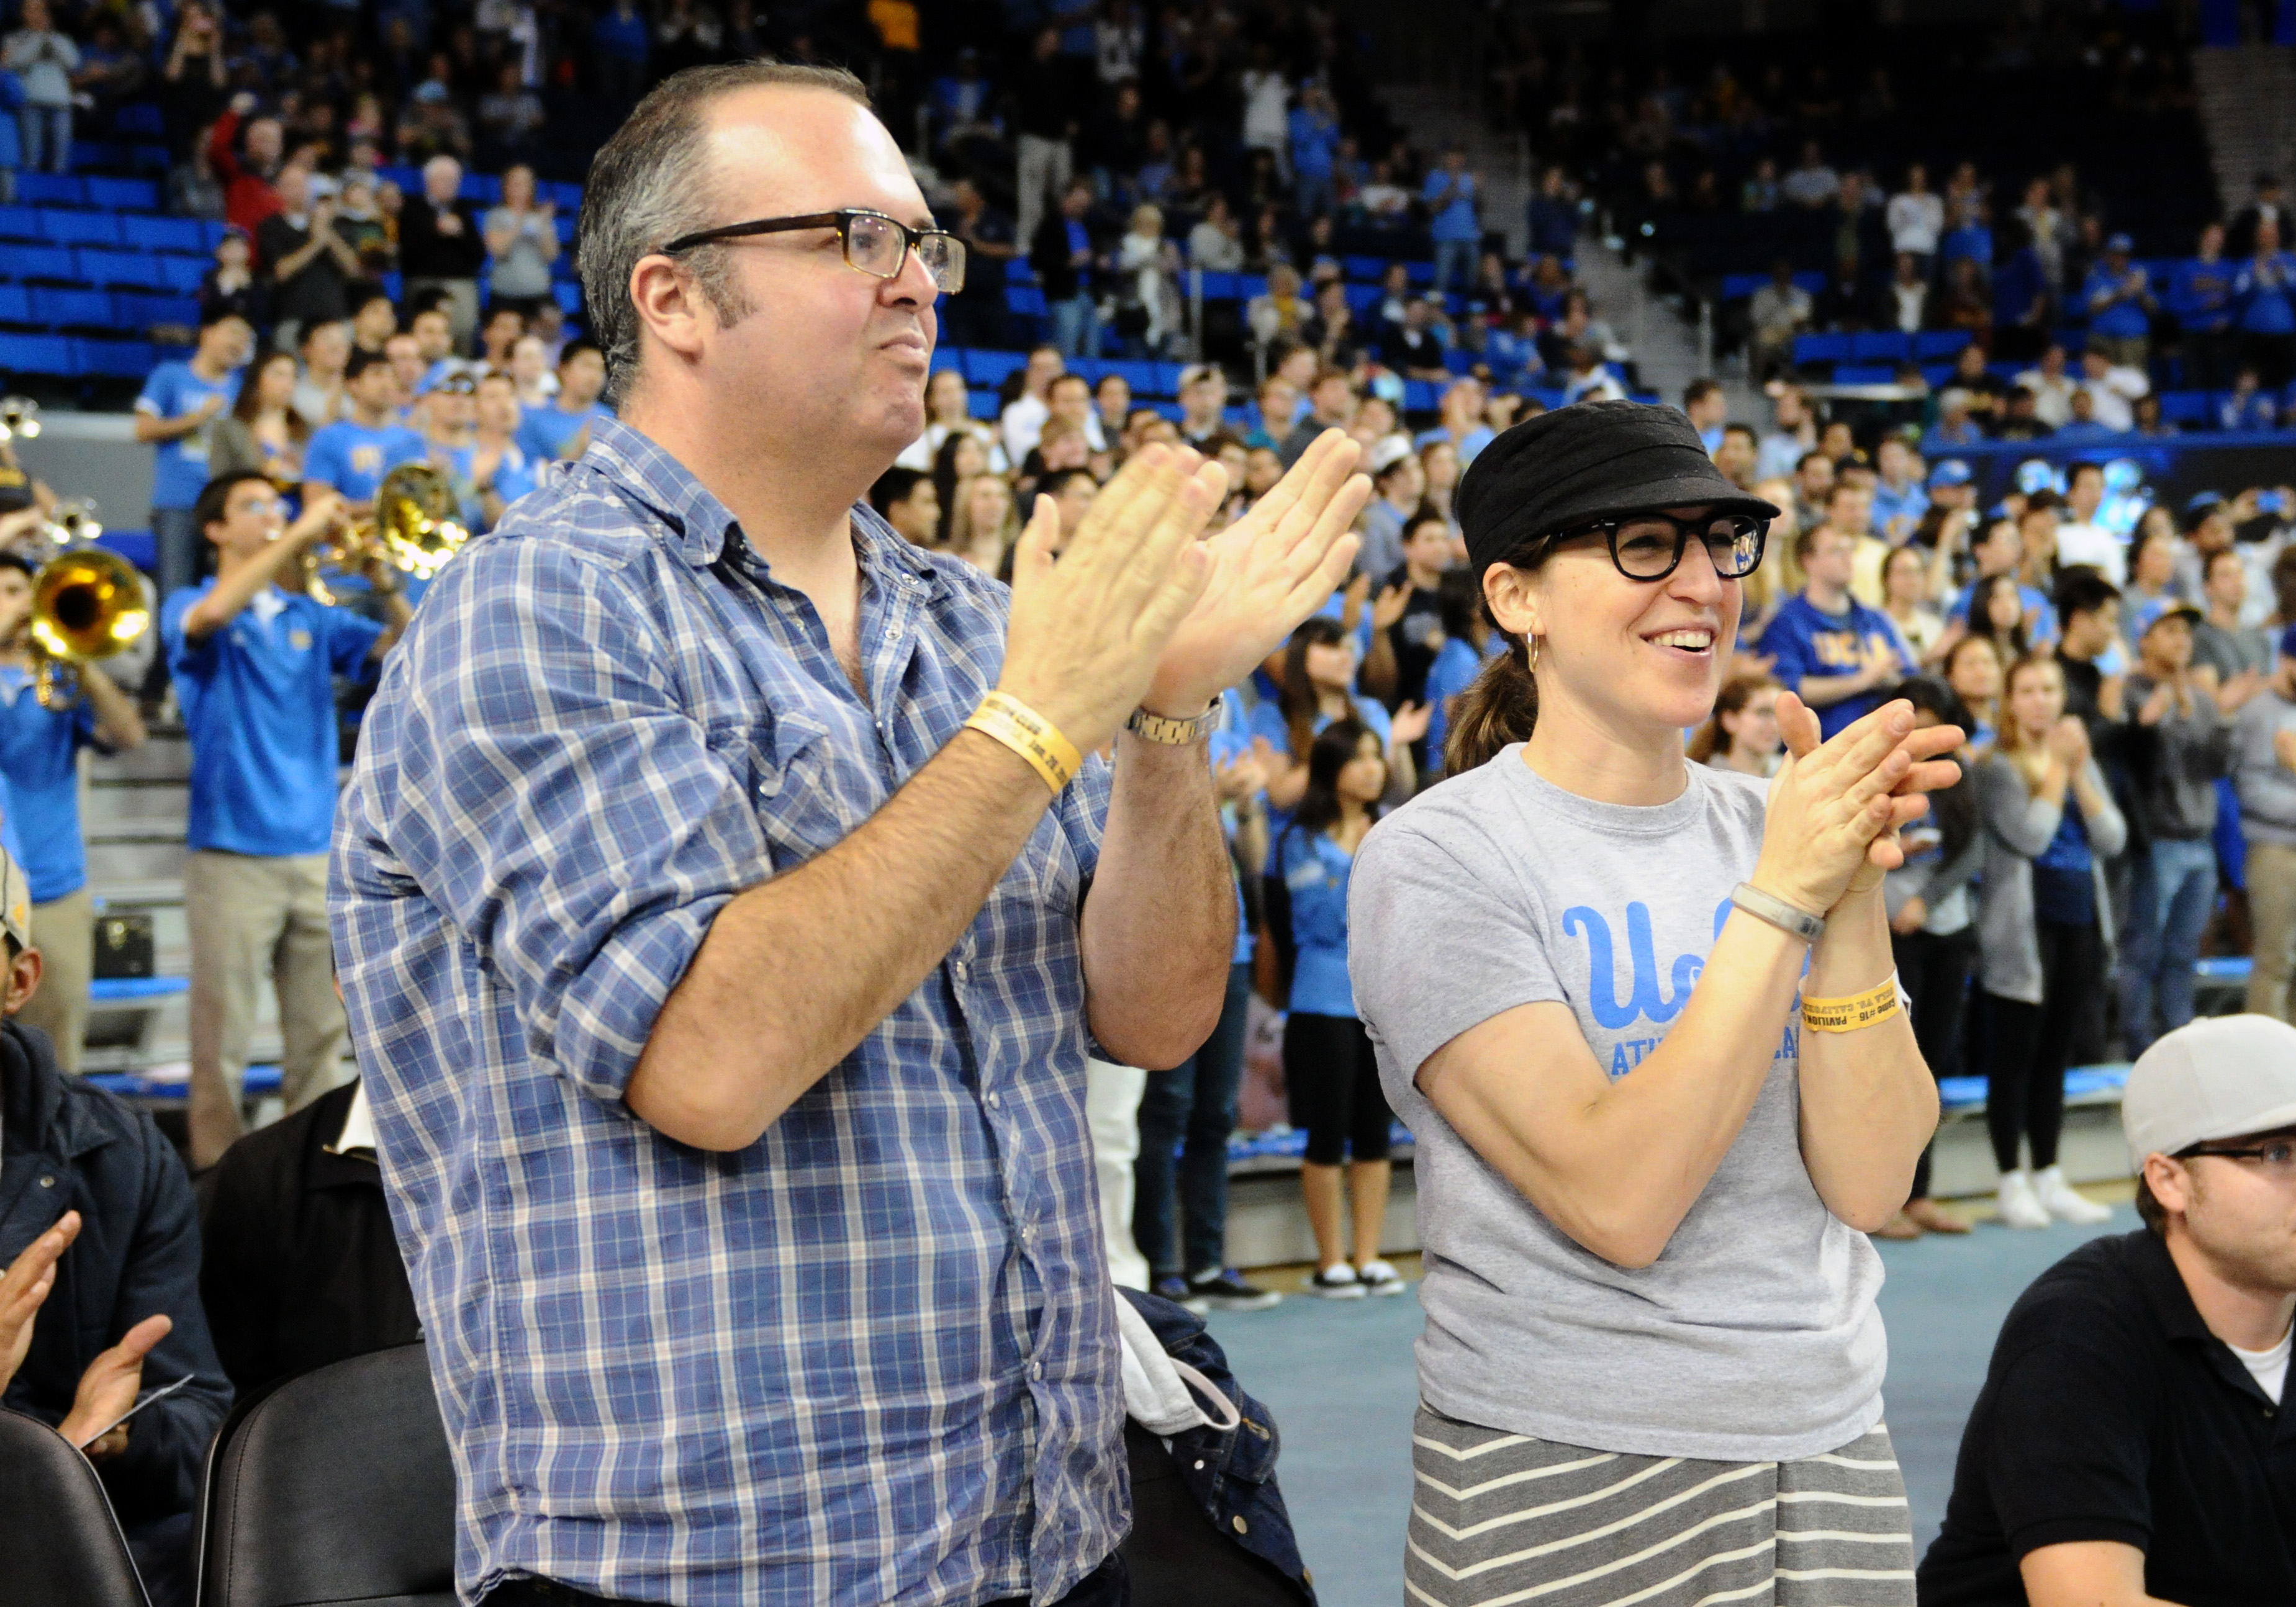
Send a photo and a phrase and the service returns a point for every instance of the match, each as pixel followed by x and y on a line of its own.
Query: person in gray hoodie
pixel 2264 776
pixel 2043 929
pixel 2176 744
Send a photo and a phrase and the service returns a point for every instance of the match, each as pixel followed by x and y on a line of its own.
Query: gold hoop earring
pixel 1530 650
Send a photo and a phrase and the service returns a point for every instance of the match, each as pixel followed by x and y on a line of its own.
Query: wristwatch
pixel 1172 732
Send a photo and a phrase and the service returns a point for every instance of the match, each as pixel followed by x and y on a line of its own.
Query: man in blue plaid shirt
pixel 724 996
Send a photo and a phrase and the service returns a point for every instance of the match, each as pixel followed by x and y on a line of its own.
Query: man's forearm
pixel 1868 1104
pixel 797 971
pixel 1822 691
pixel 1160 925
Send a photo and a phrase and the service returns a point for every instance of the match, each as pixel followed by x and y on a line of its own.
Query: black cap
pixel 1588 462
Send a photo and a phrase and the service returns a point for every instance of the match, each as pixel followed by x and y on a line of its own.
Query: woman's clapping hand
pixel 1836 807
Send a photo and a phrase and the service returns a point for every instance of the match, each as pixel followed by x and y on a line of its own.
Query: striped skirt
pixel 1498 1519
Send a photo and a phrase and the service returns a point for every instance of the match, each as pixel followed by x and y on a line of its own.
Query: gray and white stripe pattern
pixel 1498 1519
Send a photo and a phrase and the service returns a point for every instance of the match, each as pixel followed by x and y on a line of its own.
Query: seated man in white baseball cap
pixel 2129 1446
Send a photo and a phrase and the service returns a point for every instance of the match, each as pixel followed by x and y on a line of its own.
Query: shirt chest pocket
pixel 808 795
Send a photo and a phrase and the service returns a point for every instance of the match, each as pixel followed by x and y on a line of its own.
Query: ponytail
pixel 1499 708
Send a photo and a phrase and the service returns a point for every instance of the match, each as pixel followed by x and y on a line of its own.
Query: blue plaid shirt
pixel 870 1358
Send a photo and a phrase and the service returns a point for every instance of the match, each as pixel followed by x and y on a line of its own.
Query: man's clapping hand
pixel 109 1388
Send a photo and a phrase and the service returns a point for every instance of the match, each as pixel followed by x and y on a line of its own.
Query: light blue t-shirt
pixel 258 699
pixel 179 470
pixel 544 432
pixel 38 754
pixel 1455 667
pixel 1315 871
pixel 514 479
pixel 353 458
pixel 1456 220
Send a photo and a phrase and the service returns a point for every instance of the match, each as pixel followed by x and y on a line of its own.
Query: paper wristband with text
pixel 1029 734
pixel 1848 1014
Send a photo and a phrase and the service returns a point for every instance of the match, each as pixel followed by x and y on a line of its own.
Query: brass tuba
pixel 87 603
pixel 416 528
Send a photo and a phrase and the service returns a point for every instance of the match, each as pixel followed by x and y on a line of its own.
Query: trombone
pixel 88 601
pixel 416 528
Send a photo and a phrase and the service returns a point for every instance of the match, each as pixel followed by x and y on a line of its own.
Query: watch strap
pixel 1787 918
pixel 1171 733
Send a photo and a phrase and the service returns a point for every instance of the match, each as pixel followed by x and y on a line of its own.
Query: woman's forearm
pixel 1868 1103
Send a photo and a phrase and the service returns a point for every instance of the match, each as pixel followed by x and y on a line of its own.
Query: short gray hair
pixel 648 186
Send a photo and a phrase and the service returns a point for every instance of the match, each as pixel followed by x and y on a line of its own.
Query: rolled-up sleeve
pixel 548 791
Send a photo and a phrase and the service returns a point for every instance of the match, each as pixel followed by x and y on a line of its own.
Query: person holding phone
pixel 101 1241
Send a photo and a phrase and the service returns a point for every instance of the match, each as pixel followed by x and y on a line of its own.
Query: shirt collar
pixel 2157 1279
pixel 698 522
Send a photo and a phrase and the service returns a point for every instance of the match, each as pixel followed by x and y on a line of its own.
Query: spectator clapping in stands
pixel 348 459
pixel 232 285
pixel 312 264
pixel 560 427
pixel 441 246
pixel 247 161
pixel 494 465
pixel 521 235
pixel 262 434
pixel 178 403
pixel 43 60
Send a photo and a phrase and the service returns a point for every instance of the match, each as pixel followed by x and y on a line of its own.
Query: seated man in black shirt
pixel 302 1268
pixel 2129 1448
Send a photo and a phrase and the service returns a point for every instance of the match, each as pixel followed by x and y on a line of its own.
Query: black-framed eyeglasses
pixel 2277 1156
pixel 1649 547
pixel 874 243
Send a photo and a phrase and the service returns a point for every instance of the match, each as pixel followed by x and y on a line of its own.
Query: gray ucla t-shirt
pixel 1754 1337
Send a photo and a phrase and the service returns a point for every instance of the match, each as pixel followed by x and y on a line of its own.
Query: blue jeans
pixel 2172 891
pixel 1455 258
pixel 45 132
pixel 1076 326
pixel 1185 1118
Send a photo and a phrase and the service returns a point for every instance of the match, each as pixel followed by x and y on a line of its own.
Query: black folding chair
pixel 60 1542
pixel 335 1487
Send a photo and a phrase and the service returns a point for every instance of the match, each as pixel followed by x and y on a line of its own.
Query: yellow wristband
pixel 1847 1015
pixel 1029 734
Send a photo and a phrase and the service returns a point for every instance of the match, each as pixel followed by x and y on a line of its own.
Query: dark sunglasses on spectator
pixel 1649 547
pixel 874 243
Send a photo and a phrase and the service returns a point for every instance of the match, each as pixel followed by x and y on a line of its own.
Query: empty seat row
pixel 60 356
pixel 51 307
pixel 59 226
pixel 88 190
pixel 1881 346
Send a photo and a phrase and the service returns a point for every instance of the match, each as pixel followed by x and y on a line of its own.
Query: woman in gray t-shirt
pixel 1653 1364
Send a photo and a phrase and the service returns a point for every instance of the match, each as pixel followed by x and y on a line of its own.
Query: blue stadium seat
pixel 1820 348
pixel 212 233
pixel 181 274
pixel 1418 396
pixel 35 353
pixel 1221 287
pixel 2187 407
pixel 181 234
pixel 99 154
pixel 484 189
pixel 18 222
pixel 79 228
pixel 1366 269
pixel 144 120
pixel 1141 376
pixel 1421 274
pixel 1170 410
pixel 408 179
pixel 72 309
pixel 569 197
pixel 1458 359
pixel 11 150
pixel 564 224
pixel 1864 373
pixel 1026 300
pixel 1167 378
pixel 1880 346
pixel 148 159
pixel 114 359
pixel 134 270
pixel 985 370
pixel 1251 287
pixel 40 262
pixel 948 356
pixel 15 304
pixel 1933 343
pixel 1363 299
pixel 51 190
pixel 123 194
pixel 983 404
pixel 568 296
pixel 139 311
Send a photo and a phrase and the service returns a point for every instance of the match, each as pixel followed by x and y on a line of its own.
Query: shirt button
pixel 1200 1465
pixel 1241 1526
pixel 995 1102
pixel 956 970
pixel 1036 1369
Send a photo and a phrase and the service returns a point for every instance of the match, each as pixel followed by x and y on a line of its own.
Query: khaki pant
pixel 2272 917
pixel 250 917
pixel 63 929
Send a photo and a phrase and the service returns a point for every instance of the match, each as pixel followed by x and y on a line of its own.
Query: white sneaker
pixel 1337 1284
pixel 2058 1198
pixel 1378 1278
pixel 2017 1205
